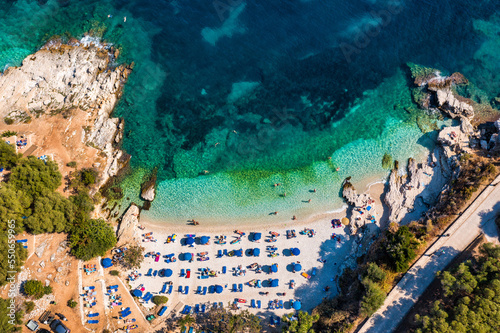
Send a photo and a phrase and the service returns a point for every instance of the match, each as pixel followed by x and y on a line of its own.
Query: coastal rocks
pixel 127 228
pixel 149 193
pixel 352 197
pixel 454 105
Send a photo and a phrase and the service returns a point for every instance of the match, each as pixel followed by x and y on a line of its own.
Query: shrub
pixel 29 306
pixel 401 248
pixel 36 289
pixel 71 164
pixel 159 300
pixel 6 134
pixel 133 257
pixel 373 298
pixel 375 273
pixel 114 273
pixel 8 121
pixel 88 176
pixel 72 303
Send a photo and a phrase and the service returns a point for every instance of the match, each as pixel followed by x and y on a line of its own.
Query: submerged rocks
pixel 128 225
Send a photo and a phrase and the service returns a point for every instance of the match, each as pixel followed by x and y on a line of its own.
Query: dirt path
pixel 477 219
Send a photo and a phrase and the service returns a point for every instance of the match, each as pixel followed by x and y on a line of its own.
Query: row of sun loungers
pixel 239 288
pixel 125 313
pixel 184 291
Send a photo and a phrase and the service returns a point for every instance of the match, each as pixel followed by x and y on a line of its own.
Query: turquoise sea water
pixel 262 92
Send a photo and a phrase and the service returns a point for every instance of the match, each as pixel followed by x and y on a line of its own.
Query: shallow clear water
pixel 262 92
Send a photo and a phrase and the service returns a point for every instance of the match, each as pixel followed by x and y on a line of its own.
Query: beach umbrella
pixel 238 253
pixel 188 256
pixel 257 236
pixel 275 283
pixel 218 289
pixel 295 251
pixel 190 241
pixel 136 293
pixel 204 239
pixel 297 305
pixel 256 252
pixel 297 267
pixel 168 272
pixel 274 268
pixel 106 263
pixel 345 221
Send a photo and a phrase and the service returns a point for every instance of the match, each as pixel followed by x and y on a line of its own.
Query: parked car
pixel 58 327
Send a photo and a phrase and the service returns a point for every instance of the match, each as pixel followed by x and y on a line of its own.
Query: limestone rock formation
pixel 352 197
pixel 127 229
pixel 149 193
pixel 454 105
pixel 79 75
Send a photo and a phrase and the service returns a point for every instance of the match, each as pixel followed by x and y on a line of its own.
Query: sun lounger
pixel 221 305
pixel 188 274
pixel 191 330
pixel 280 304
pixel 149 272
pixel 215 306
pixel 163 289
pixel 198 291
pixel 93 321
pixel 93 304
pixel 240 287
pixel 180 289
pixel 219 254
pixel 258 304
pixel 234 287
pixel 272 320
pixel 278 321
pixel 126 314
pixel 197 308
pixel 92 315
pixel 182 272
pixel 252 303
pixel 162 311
pixel 170 289
pixel 203 308
pixel 186 309
pixel 89 288
pixel 204 291
pixel 186 290
pixel 224 269
pixel 225 252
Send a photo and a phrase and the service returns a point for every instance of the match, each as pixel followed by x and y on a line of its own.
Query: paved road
pixel 478 218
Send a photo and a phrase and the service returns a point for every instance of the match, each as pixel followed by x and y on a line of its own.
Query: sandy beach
pixel 321 253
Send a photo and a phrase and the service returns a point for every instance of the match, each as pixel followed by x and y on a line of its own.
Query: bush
pixel 36 289
pixel 29 306
pixel 72 303
pixel 159 300
pixel 133 257
pixel 375 273
pixel 88 176
pixel 6 134
pixel 91 238
pixel 373 299
pixel 114 273
pixel 8 121
pixel 400 248
pixel 71 164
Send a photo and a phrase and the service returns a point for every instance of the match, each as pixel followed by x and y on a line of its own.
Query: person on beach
pixel 309 200
pixel 314 190
pixel 294 218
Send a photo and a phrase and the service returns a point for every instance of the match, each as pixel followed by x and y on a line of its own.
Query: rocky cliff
pixel 425 181
pixel 61 78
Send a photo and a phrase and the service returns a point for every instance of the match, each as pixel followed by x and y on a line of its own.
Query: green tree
pixel 401 248
pixel 5 317
pixel 185 321
pixel 372 299
pixel 300 323
pixel 222 320
pixel 34 288
pixel 51 213
pixel 72 303
pixel 133 257
pixel 35 177
pixel 91 238
pixel 88 176
pixel 375 273
pixel 8 156
pixel 159 300
pixel 29 306
pixel 20 256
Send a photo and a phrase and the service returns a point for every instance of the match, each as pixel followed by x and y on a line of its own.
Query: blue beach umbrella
pixel 257 236
pixel 218 289
pixel 168 272
pixel 238 253
pixel 188 256
pixel 295 251
pixel 274 268
pixel 106 263
pixel 297 305
pixel 256 252
pixel 275 283
pixel 297 267
pixel 190 241
pixel 136 293
pixel 204 240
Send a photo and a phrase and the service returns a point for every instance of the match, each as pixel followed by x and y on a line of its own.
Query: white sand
pixel 310 292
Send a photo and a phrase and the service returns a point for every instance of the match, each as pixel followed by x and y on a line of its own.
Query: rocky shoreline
pixel 62 79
